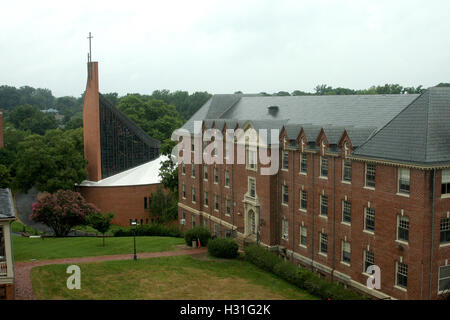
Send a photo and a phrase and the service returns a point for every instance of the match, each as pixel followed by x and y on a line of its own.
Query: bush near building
pixel 153 229
pixel 302 278
pixel 197 233
pixel 223 248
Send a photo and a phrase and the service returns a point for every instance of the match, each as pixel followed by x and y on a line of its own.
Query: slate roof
pixel 7 210
pixel 360 115
pixel 420 134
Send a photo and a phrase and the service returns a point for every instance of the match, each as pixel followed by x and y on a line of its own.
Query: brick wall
pixel 126 202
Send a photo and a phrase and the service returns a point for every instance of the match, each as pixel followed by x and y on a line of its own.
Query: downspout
pixel 333 263
pixel 293 204
pixel 312 209
pixel 432 232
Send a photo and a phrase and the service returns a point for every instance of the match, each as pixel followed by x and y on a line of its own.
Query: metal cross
pixel 90 53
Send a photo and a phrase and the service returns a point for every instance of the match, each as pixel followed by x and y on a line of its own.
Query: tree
pixel 169 175
pixel 51 162
pixel 29 118
pixel 62 210
pixel 163 207
pixel 5 177
pixel 100 222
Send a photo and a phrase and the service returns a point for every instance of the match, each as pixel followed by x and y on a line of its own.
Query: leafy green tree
pixel 5 177
pixel 169 175
pixel 30 118
pixel 62 211
pixel 100 222
pixel 51 162
pixel 163 206
pixel 74 123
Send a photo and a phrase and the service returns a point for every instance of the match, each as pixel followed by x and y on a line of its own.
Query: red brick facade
pixel 127 203
pixel 384 198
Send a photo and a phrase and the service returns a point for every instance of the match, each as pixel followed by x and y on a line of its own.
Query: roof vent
pixel 273 110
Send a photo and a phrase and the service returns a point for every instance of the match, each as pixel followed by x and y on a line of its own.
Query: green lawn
pixel 179 277
pixel 26 249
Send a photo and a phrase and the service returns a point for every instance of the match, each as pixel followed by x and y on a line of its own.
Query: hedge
pixel 223 248
pixel 197 233
pixel 152 229
pixel 300 277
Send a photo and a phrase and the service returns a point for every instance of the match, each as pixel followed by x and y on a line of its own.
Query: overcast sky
pixel 224 46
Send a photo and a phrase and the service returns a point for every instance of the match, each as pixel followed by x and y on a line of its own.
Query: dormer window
pixel 445 189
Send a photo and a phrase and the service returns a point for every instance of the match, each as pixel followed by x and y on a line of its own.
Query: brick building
pixel 362 181
pixel 123 161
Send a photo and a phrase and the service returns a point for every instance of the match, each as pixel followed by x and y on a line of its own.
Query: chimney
pixel 1 131
pixel 91 124
pixel 273 110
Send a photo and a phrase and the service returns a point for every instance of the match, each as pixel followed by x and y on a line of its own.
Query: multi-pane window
pixel 251 158
pixel 403 180
pixel 402 275
pixel 445 189
pixel 285 229
pixel 252 187
pixel 444 278
pixel 193 170
pixel 369 259
pixel 347 170
pixel 285 160
pixel 445 230
pixel 323 243
pixel 206 198
pixel 346 252
pixel 370 175
pixel 303 236
pixel 216 202
pixel 323 166
pixel 303 163
pixel 216 175
pixel 193 195
pixel 402 228
pixel 285 194
pixel 346 211
pixel 323 205
pixel 303 199
pixel 183 168
pixel 227 207
pixel 252 218
pixel 227 178
pixel 205 172
pixel 184 191
pixel 369 219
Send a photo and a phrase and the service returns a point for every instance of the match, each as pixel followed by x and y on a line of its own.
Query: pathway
pixel 24 290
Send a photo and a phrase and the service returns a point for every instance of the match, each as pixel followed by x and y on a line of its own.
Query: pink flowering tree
pixel 62 210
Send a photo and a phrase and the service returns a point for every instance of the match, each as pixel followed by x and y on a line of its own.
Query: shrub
pixel 261 257
pixel 223 248
pixel 300 277
pixel 153 229
pixel 197 233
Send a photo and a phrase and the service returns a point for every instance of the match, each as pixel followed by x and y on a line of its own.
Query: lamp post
pixel 134 224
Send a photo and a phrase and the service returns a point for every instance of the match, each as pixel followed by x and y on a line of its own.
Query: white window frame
pixel 344 161
pixel 322 158
pixel 399 264
pixel 445 180
pixel 402 173
pixel 193 197
pixel 227 178
pixel 205 199
pixel 303 235
pixel 303 192
pixel 399 218
pixel 227 207
pixel 283 193
pixel 251 181
pixel 216 202
pixel 284 155
pixel 216 175
pixel 345 245
pixel 366 167
pixel 365 260
pixel 365 220
pixel 446 278
pixel 344 202
pixel 251 154
pixel 303 158
pixel 321 204
pixel 205 173
pixel 323 237
pixel 183 191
